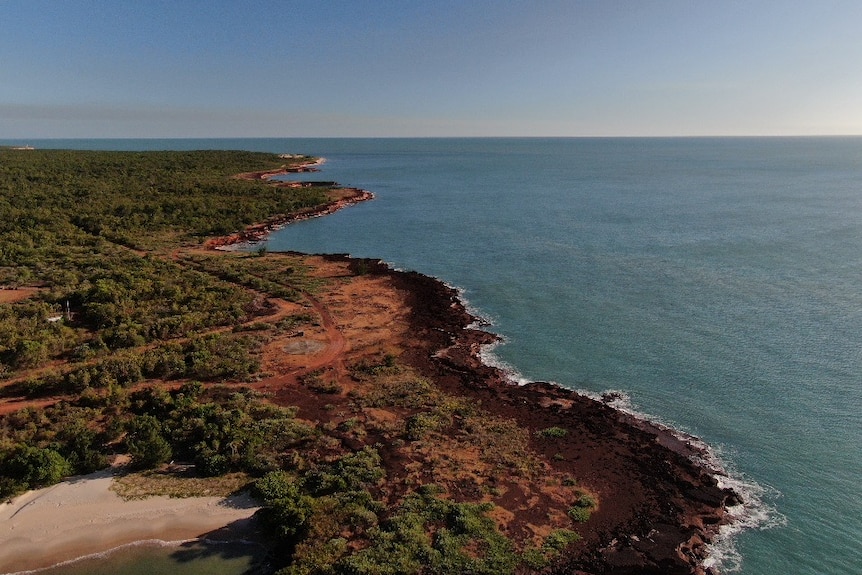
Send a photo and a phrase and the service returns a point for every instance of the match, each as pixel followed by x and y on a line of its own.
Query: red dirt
pixel 657 506
pixel 11 295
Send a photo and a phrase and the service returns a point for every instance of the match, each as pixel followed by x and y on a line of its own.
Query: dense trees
pixel 112 317
pixel 146 442
pixel 38 447
pixel 220 431
pixel 238 432
pixel 33 467
pixel 134 198
pixel 66 219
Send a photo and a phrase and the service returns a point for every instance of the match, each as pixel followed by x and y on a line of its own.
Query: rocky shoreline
pixel 655 504
pixel 660 505
pixel 258 232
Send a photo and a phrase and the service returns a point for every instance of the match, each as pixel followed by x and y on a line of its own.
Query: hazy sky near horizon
pixel 217 68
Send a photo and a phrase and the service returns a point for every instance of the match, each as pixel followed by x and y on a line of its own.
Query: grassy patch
pixel 177 482
pixel 552 433
pixel 583 507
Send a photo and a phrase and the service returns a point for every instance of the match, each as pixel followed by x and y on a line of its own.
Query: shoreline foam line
pixel 753 513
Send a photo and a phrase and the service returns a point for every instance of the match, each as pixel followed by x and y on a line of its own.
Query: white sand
pixel 83 516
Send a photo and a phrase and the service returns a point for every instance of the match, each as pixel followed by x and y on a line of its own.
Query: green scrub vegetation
pixel 137 344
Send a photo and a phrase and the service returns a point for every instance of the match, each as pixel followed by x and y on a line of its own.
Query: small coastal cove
pixel 652 506
pixel 84 517
pixel 341 198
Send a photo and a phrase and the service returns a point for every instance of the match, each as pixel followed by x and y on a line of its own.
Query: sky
pixel 216 68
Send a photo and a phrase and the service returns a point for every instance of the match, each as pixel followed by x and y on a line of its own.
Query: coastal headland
pixel 659 505
pixel 373 360
pixel 339 198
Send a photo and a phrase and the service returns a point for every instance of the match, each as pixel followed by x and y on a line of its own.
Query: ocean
pixel 715 282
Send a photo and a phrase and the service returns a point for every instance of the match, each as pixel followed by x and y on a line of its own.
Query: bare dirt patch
pixel 11 295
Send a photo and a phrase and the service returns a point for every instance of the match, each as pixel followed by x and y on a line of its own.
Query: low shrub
pixel 552 432
pixel 583 507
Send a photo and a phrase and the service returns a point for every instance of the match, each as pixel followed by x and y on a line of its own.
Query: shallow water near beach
pixel 717 283
pixel 159 558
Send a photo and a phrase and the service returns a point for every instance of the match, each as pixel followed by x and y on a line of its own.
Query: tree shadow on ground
pixel 237 540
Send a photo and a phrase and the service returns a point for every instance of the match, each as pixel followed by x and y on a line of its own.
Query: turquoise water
pixel 717 282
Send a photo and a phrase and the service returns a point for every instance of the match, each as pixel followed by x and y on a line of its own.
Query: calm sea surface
pixel 717 282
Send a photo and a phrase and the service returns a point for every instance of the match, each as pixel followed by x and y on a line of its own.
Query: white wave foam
pixel 105 554
pixel 486 354
pixel 489 358
pixel 481 320
pixel 753 513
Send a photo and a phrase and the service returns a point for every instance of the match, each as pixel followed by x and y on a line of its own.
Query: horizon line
pixel 592 137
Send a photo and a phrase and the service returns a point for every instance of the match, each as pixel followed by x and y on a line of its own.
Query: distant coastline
pixel 258 232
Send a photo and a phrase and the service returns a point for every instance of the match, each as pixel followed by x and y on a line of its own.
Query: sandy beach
pixel 83 516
